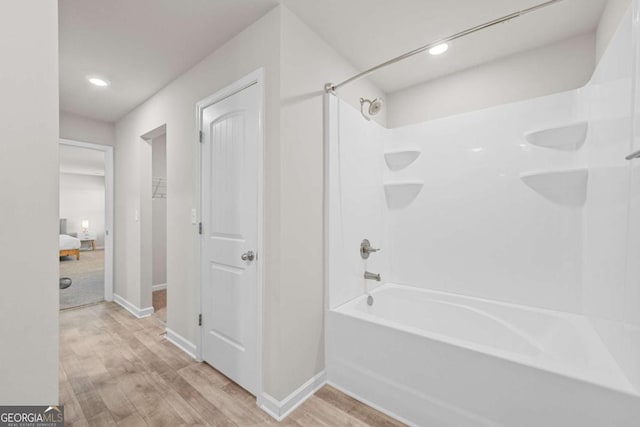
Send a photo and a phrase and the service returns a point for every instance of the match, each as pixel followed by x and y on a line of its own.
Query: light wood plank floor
pixel 118 370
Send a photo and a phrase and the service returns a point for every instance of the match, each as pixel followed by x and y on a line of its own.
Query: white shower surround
pixel 496 218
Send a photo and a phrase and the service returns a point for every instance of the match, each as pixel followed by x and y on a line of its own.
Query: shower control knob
pixel 248 256
pixel 366 249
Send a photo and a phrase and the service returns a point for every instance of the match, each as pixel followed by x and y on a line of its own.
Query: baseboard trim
pixel 131 308
pixel 158 287
pixel 279 409
pixel 182 343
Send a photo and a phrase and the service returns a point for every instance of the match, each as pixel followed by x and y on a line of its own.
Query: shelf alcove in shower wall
pixel 505 228
pixel 400 194
pixel 563 187
pixel 397 160
pixel 565 138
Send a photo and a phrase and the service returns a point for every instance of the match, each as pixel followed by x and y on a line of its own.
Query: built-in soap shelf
pixel 400 194
pixel 397 160
pixel 564 138
pixel 563 187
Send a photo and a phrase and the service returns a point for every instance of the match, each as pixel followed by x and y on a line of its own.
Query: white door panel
pixel 230 229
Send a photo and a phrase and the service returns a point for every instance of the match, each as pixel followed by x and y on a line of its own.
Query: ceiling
pixel 81 161
pixel 369 32
pixel 142 45
pixel 139 46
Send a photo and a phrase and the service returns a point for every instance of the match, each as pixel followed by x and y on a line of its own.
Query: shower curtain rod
pixel 330 87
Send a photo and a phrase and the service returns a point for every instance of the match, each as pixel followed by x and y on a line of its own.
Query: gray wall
pixel 29 202
pixel 555 68
pixel 613 13
pixel 78 128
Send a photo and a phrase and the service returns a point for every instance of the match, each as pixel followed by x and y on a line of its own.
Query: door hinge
pixel 201 136
pixel 199 228
pixel 199 319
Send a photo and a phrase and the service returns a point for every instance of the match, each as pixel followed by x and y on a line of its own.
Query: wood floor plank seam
pixel 116 369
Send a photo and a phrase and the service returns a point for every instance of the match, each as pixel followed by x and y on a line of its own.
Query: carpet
pixel 88 279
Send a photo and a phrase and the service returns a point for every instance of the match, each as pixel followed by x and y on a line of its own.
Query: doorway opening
pixel 159 226
pixel 153 215
pixel 85 224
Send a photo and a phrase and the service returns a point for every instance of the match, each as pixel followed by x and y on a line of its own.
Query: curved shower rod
pixel 330 87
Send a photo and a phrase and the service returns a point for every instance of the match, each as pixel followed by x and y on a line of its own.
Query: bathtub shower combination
pixel 509 258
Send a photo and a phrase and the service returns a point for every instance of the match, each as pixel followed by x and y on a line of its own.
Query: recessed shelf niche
pixel 564 138
pixel 397 160
pixel 562 187
pixel 400 194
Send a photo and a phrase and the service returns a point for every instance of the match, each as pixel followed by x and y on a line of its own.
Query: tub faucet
pixel 371 276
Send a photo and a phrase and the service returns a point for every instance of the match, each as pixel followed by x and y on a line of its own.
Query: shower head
pixel 374 107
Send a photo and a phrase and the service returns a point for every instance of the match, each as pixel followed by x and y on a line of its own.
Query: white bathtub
pixel 437 359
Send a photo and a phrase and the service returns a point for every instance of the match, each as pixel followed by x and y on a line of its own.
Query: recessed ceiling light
pixel 439 49
pixel 98 81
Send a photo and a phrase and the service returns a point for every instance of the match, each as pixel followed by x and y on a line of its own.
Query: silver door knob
pixel 248 256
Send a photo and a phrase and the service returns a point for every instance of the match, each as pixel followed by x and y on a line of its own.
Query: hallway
pixel 118 370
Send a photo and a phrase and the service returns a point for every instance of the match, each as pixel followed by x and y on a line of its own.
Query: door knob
pixel 248 256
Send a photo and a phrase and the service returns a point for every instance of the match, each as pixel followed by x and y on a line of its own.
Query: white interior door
pixel 230 236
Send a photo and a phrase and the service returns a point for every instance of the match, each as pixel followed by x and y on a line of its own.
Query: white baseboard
pixel 158 287
pixel 182 343
pixel 279 409
pixel 131 308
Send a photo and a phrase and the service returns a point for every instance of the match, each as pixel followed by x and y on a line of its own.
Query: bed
pixel 69 246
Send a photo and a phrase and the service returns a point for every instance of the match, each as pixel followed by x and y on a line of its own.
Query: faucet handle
pixel 366 249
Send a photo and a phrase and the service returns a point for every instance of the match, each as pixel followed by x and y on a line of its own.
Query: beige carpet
pixel 160 305
pixel 87 274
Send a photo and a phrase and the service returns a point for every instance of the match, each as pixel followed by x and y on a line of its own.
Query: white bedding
pixel 68 242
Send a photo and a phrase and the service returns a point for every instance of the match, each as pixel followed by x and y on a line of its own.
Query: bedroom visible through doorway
pixel 84 229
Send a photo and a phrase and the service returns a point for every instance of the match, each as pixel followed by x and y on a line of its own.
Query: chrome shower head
pixel 374 107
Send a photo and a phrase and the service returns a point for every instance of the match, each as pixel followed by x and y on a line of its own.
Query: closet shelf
pixel 564 138
pixel 397 160
pixel 562 187
pixel 400 194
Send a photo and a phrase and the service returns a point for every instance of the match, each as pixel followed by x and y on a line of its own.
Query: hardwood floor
pixel 119 370
pixel 159 303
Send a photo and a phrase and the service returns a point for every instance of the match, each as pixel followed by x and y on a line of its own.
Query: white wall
pixel 555 68
pixel 357 208
pixel 611 288
pixel 83 197
pixel 78 128
pixel 29 207
pixel 609 22
pixel 175 106
pixel 297 64
pixel 476 228
pixel 159 216
pixel 307 63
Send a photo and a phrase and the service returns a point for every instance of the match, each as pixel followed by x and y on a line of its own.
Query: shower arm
pixel 330 87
